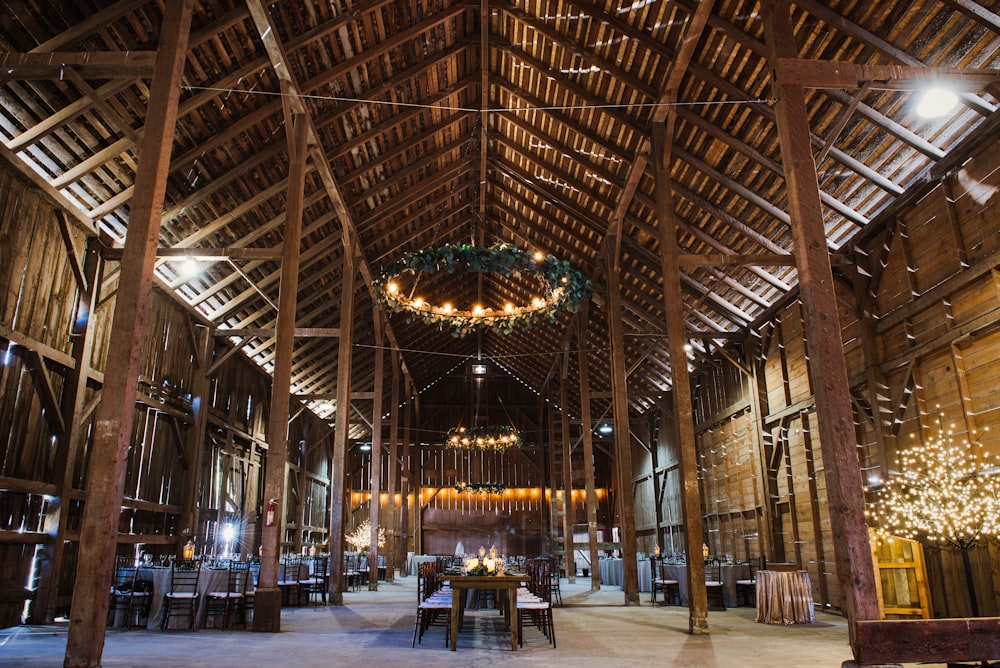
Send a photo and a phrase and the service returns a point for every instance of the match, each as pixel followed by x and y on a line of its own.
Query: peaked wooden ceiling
pixel 447 121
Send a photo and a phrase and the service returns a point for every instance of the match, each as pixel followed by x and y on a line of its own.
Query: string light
pixel 947 491
pixel 479 488
pixel 492 437
pixel 562 288
pixel 361 538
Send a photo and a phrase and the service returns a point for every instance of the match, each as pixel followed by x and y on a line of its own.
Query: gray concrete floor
pixel 374 629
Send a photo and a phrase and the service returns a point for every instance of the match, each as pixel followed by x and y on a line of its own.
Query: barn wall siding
pixel 927 293
pixel 38 309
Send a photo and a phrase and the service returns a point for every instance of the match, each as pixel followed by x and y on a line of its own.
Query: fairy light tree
pixel 361 538
pixel 946 491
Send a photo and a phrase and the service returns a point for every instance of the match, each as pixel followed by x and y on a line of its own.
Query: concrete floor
pixel 374 629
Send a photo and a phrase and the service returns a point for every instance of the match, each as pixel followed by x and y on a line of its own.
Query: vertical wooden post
pixel 765 491
pixel 567 475
pixel 694 536
pixel 342 426
pixel 827 365
pixel 404 480
pixel 392 521
pixel 544 434
pixel 551 478
pixel 376 451
pixel 622 432
pixel 655 419
pixel 196 436
pixel 267 602
pixel 73 441
pixel 588 446
pixel 116 414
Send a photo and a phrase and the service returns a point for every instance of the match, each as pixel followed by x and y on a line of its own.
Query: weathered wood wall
pixel 173 467
pixel 920 315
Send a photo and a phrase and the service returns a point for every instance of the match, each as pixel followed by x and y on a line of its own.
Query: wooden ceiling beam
pixel 77 108
pixel 413 195
pixel 823 74
pixel 547 166
pixel 308 256
pixel 86 64
pixel 383 48
pixel 905 135
pixel 219 285
pixel 299 333
pixel 530 181
pixel 203 253
pixel 384 160
pixel 589 165
pixel 392 122
pixel 422 236
pixel 540 105
pixel 225 181
pixel 585 55
pixel 404 77
pixel 877 43
pixel 750 152
pixel 403 179
pixel 581 94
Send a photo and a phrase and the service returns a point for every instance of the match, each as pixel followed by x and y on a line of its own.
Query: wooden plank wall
pixel 920 315
pixel 38 304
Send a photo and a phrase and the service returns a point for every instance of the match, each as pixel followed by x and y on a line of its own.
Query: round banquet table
pixel 209 580
pixel 414 560
pixel 730 574
pixel 613 572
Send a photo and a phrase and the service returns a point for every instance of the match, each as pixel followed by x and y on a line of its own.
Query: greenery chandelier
pixel 561 288
pixel 479 488
pixel 493 437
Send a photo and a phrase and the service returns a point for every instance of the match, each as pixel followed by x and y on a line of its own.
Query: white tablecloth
pixel 413 560
pixel 730 574
pixel 209 580
pixel 613 573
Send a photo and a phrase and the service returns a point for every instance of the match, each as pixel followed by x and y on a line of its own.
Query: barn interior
pixel 713 261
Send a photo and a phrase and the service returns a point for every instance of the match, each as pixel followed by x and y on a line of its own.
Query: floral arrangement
pixel 562 287
pixel 361 538
pixel 483 565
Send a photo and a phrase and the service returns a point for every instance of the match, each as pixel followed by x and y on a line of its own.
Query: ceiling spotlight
pixel 365 447
pixel 189 268
pixel 479 369
pixel 605 429
pixel 936 102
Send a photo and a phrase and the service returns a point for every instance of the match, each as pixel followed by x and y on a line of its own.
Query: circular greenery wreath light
pixel 493 437
pixel 479 488
pixel 562 288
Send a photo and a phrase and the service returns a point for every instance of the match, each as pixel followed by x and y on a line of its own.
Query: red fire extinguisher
pixel 272 506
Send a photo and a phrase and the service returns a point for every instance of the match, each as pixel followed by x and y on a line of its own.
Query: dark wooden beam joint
pixel 927 640
pixel 836 74
pixel 88 64
pixel 207 254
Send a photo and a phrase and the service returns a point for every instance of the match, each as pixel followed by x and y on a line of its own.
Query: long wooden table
pixel 461 584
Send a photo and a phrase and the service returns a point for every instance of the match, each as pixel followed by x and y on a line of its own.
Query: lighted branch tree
pixel 946 491
pixel 361 538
